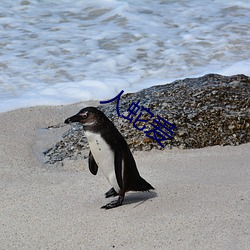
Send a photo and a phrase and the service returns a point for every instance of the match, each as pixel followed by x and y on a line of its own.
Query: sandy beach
pixel 201 198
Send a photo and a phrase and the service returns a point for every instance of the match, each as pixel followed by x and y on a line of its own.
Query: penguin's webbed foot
pixel 113 204
pixel 111 193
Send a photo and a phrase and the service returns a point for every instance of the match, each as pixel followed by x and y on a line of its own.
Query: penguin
pixel 110 152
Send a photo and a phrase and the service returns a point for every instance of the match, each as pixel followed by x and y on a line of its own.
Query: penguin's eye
pixel 84 115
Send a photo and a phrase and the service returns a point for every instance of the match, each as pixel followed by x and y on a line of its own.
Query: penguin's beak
pixel 74 118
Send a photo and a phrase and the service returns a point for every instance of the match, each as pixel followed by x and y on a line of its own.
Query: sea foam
pixel 63 52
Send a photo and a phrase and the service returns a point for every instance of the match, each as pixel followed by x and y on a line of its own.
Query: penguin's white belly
pixel 104 157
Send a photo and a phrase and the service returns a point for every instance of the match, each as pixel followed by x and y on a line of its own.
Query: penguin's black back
pixel 131 178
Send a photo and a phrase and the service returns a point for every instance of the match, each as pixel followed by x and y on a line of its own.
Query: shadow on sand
pixel 138 198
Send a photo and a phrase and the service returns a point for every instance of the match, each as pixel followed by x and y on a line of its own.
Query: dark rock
pixel 209 110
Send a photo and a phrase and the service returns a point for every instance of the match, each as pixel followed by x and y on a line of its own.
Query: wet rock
pixel 207 111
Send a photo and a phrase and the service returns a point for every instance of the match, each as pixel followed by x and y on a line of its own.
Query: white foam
pixel 61 52
pixel 242 67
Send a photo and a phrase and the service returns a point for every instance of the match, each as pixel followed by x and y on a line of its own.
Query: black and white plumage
pixel 110 152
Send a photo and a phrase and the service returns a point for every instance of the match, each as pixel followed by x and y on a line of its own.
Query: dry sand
pixel 201 201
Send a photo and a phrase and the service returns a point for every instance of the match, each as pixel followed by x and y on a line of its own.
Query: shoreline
pixel 201 198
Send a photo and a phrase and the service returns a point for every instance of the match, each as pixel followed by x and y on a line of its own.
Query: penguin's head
pixel 88 117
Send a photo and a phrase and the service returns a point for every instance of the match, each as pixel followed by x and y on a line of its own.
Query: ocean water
pixel 61 52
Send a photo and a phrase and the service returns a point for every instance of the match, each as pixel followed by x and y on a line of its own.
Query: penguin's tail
pixel 141 185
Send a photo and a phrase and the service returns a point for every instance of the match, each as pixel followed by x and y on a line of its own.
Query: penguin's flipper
pixel 111 193
pixel 93 167
pixel 118 166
